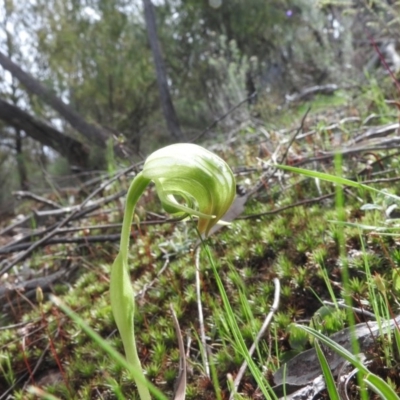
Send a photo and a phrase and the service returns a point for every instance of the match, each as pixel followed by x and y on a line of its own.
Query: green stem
pixel 136 189
pixel 121 291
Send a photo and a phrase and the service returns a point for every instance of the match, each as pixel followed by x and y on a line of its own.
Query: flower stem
pixel 121 291
pixel 135 191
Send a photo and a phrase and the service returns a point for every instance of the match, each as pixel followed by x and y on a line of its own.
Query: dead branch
pixel 62 240
pixel 29 195
pixel 76 214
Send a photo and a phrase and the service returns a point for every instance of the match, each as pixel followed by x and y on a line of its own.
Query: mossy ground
pixel 298 245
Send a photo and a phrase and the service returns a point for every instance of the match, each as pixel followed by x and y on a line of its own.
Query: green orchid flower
pixel 190 181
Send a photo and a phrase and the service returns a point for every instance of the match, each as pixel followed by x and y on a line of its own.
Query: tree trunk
pixel 91 132
pixel 165 96
pixel 70 148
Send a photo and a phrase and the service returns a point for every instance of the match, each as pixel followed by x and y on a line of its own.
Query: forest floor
pixel 289 229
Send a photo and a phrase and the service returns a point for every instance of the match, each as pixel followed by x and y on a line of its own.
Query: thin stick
pixel 9 247
pixel 33 196
pixel 222 118
pixel 260 334
pixel 298 204
pixel 38 363
pixel 271 171
pixel 62 223
pixel 294 136
pixel 354 309
pixel 15 224
pixel 203 348
pixel 147 286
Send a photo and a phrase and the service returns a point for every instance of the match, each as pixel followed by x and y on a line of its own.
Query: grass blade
pixel 326 370
pixel 106 347
pixel 374 382
pixel 338 180
pixel 236 333
pixel 321 175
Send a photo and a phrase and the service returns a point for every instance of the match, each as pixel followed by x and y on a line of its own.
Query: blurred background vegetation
pixel 95 56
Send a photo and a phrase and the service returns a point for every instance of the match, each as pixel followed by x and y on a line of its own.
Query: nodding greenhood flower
pixel 195 175
pixel 183 173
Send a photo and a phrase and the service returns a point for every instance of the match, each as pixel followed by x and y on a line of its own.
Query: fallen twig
pixel 298 204
pixel 77 213
pixel 77 216
pixel 18 246
pixel 361 311
pixel 327 89
pixel 61 240
pixel 43 282
pixel 39 199
pixel 260 334
pixel 203 349
pixel 222 117
pixel 272 169
pixel 42 242
pixel 382 144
